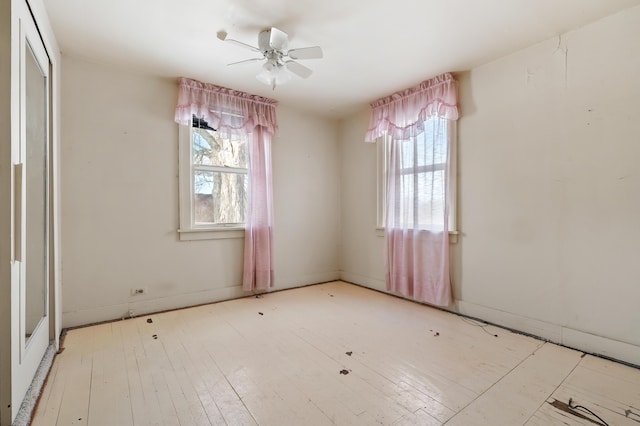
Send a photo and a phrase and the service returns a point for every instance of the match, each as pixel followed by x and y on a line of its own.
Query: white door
pixel 30 275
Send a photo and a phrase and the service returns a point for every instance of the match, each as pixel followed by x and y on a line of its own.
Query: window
pixel 213 183
pixel 422 166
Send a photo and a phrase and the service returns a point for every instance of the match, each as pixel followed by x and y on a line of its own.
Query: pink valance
pixel 226 110
pixel 401 115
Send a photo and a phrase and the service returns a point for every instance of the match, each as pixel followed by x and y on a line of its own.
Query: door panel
pixel 36 141
pixel 30 274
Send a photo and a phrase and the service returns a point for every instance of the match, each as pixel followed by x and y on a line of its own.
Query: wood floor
pixel 326 354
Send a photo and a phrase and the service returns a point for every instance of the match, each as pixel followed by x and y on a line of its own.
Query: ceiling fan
pixel 280 63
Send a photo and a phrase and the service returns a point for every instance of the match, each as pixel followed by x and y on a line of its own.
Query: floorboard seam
pixel 496 382
pixel 554 390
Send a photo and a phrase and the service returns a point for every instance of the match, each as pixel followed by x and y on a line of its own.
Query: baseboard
pixel 602 346
pixel 572 338
pixel 97 314
pixel 541 329
pixel 372 283
pixel 565 336
pixel 304 280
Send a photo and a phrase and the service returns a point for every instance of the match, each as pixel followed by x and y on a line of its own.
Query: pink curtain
pixel 226 110
pixel 258 239
pixel 418 265
pixel 401 115
pixel 233 113
pixel 419 125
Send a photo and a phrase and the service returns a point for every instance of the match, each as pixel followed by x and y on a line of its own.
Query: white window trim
pixel 382 148
pixel 187 231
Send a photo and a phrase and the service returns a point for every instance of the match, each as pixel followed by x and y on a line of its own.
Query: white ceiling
pixel 372 48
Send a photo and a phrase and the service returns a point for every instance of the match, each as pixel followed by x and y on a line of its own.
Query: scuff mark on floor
pixel 563 406
pixel 628 413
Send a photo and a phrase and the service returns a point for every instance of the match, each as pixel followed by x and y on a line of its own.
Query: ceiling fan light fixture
pixel 274 74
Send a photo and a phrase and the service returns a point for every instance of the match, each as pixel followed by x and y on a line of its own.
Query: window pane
pixel 423 162
pixel 431 200
pixel 430 147
pixel 219 197
pixel 423 200
pixel 209 149
pixel 419 184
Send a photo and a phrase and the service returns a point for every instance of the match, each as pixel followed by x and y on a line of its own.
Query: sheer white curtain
pixel 233 113
pixel 420 126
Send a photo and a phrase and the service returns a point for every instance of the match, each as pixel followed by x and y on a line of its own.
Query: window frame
pixel 382 151
pixel 188 230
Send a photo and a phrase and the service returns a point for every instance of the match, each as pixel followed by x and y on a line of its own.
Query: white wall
pixel 120 201
pixel 306 187
pixel 362 258
pixel 549 191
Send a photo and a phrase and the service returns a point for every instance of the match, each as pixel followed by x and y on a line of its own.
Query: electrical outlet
pixel 138 291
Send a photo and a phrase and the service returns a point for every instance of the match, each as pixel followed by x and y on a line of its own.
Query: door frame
pixel 30 351
pixel 12 11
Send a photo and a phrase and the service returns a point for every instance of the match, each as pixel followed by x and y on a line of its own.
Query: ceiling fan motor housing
pixel 273 39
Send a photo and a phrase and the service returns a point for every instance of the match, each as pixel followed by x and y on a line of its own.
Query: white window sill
pixel 453 235
pixel 210 234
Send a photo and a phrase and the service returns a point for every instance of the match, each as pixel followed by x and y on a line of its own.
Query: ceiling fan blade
pixel 222 35
pixel 241 44
pixel 246 60
pixel 314 52
pixel 278 39
pixel 298 69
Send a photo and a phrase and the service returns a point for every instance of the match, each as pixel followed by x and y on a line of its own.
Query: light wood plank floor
pixel 327 354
